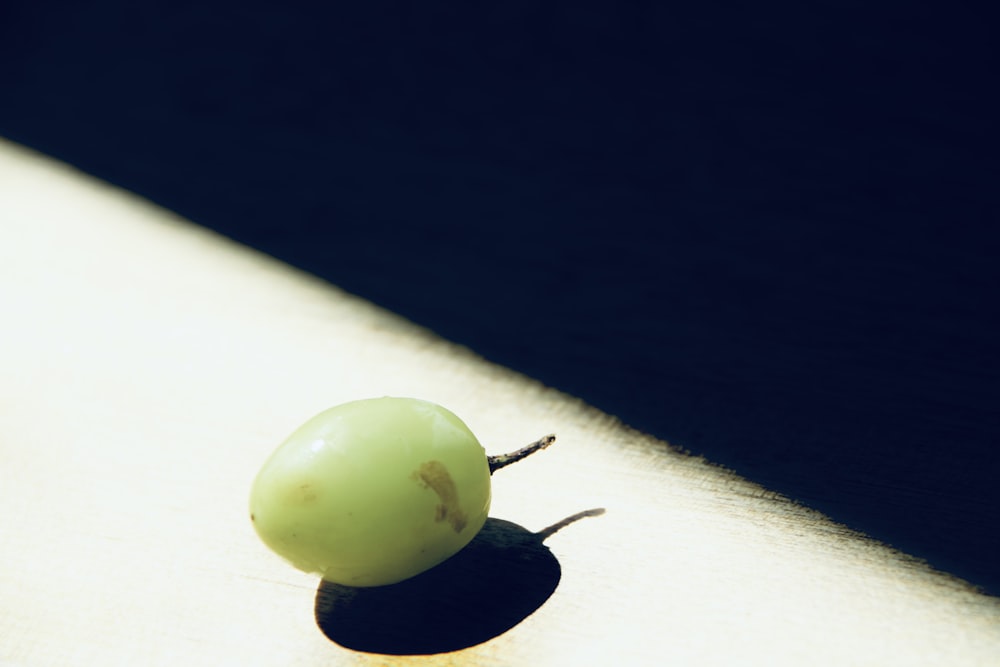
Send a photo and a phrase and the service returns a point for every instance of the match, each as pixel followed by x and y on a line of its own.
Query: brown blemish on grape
pixel 307 494
pixel 299 492
pixel 435 476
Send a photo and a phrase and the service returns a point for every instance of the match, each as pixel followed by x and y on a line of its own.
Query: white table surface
pixel 149 367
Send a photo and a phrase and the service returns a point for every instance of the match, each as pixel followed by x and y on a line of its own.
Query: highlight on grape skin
pixel 375 491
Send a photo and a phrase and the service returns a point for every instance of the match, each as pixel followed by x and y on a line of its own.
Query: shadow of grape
pixel 491 585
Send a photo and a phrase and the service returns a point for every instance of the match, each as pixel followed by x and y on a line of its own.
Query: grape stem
pixel 502 460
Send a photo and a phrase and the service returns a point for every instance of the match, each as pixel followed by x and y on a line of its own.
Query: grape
pixel 375 491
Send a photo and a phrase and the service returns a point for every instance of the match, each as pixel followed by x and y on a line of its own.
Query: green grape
pixel 375 491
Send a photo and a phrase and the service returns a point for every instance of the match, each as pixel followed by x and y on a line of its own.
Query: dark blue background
pixel 764 234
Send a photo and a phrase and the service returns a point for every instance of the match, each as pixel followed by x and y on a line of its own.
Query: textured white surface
pixel 148 369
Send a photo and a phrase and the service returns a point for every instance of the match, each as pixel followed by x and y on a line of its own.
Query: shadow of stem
pixel 491 585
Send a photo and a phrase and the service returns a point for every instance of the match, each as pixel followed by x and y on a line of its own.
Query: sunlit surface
pixel 150 367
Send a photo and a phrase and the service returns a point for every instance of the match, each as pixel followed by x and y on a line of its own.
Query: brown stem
pixel 497 462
